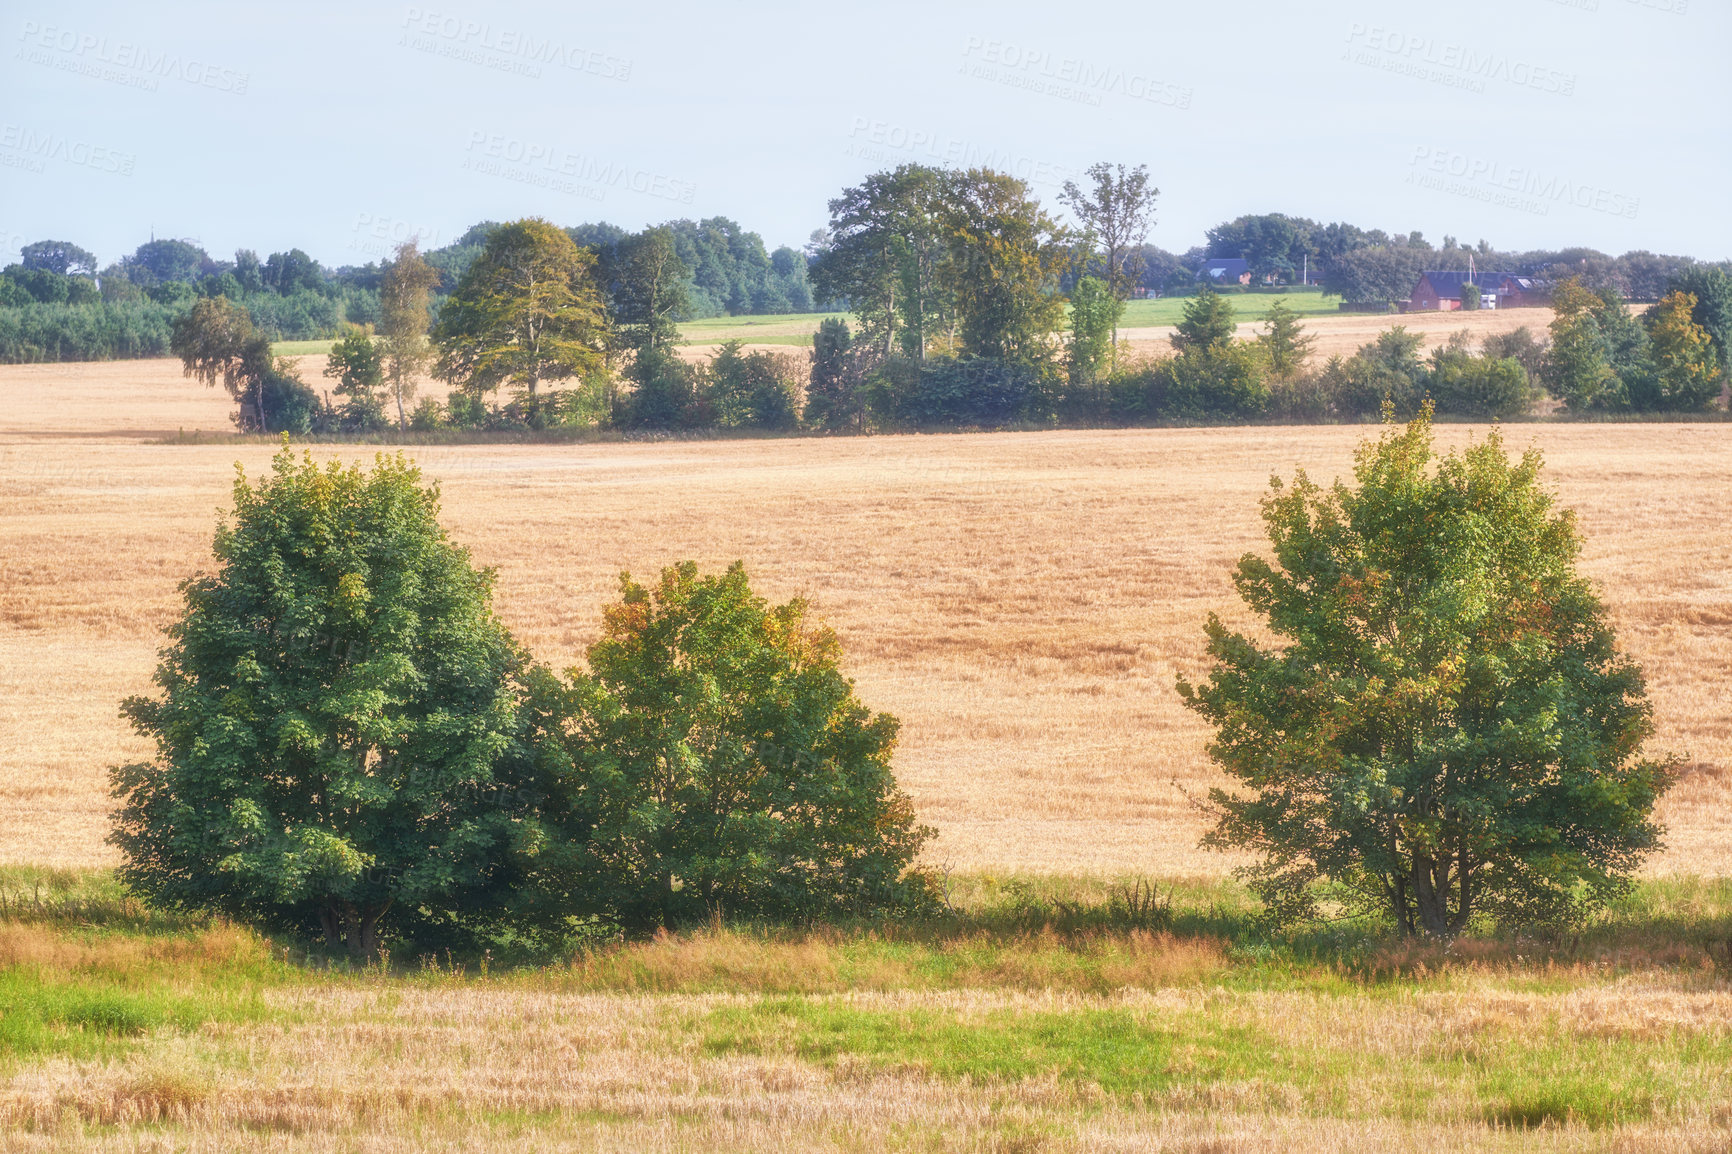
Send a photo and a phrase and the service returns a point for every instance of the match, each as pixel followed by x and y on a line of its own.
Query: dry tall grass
pixel 399 1068
pixel 1022 601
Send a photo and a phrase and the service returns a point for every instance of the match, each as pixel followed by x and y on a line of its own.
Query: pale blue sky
pixel 341 127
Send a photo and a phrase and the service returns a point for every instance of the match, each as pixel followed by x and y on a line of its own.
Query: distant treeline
pixel 56 305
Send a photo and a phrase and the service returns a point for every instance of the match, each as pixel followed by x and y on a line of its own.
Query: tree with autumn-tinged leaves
pixel 714 761
pixel 1448 726
pixel 337 709
pixel 1006 254
pixel 1686 367
pixel 527 310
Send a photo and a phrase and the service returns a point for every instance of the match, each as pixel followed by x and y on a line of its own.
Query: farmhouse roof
pixel 1447 284
pixel 1224 268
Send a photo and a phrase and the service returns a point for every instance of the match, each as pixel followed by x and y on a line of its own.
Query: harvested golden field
pixel 1023 602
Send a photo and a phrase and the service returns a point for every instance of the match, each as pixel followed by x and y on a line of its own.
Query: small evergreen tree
pixel 1207 324
pixel 1449 726
pixel 336 699
pixel 1283 344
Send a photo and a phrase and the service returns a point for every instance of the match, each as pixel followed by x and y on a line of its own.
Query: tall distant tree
pixel 1579 364
pixel 291 272
pixel 1448 726
pixel 61 257
pixel 649 290
pixel 403 299
pixel 158 261
pixel 1118 212
pixel 356 365
pixel 527 310
pixel 885 256
pixel 1712 288
pixel 1005 258
pixel 832 392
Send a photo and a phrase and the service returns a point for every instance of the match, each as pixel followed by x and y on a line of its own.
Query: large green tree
pixel 1446 724
pixel 714 761
pixel 335 704
pixel 1686 367
pixel 1005 257
pixel 527 310
pixel 61 257
pixel 886 257
pixel 358 368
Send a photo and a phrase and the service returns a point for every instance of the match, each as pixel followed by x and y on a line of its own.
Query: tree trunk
pixel 1431 896
pixel 354 927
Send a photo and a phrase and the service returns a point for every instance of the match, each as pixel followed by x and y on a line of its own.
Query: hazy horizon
pixel 340 129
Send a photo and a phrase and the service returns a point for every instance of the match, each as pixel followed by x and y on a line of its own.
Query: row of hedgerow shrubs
pixel 350 742
pixel 1661 362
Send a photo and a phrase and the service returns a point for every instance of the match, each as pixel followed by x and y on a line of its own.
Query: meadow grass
pixel 1036 1013
pixel 301 348
pixel 1152 312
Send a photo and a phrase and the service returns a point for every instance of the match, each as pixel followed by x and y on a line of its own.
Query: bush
pixel 715 761
pixel 1481 387
pixel 971 391
pixel 336 699
pixel 1224 382
pixel 757 390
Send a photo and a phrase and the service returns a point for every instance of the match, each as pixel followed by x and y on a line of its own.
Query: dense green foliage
pixel 348 741
pixel 527 310
pixel 1603 359
pixel 336 703
pixel 1448 726
pixel 713 760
